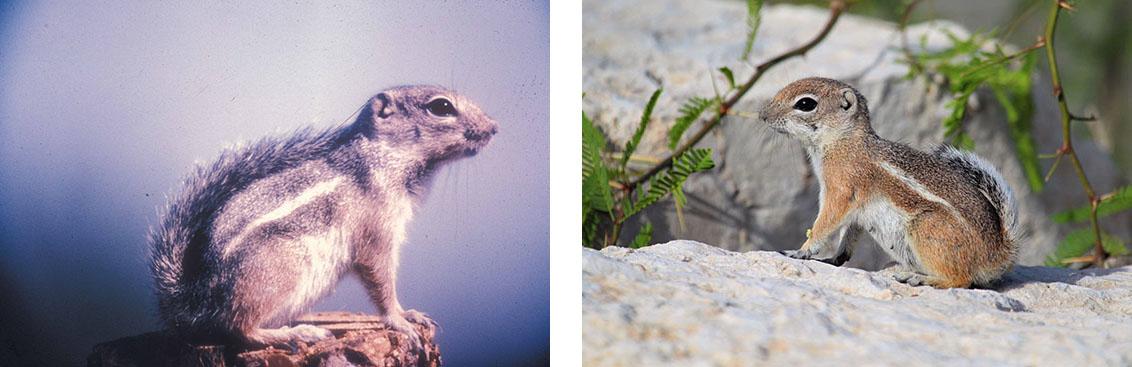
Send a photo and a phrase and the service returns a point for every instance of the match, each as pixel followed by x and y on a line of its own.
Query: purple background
pixel 105 106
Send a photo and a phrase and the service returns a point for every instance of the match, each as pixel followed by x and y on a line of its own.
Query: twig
pixel 1082 118
pixel 1079 259
pixel 836 8
pixel 1013 25
pixel 1067 143
pixel 1041 42
pixel 1056 161
pixel 904 18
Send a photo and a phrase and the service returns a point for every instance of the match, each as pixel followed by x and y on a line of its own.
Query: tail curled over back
pixel 993 186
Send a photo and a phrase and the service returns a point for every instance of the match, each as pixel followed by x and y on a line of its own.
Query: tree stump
pixel 359 340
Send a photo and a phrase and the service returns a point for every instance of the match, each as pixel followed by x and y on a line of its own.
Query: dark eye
pixel 441 107
pixel 806 104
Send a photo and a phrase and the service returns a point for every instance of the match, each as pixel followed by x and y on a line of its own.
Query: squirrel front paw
pixel 419 317
pixel 800 254
pixel 400 322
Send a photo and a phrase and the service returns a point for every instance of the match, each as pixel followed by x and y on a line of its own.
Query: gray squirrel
pixel 948 217
pixel 266 230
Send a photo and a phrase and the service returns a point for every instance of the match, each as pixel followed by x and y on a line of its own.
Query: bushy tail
pixel 179 242
pixel 177 245
pixel 169 243
pixel 993 186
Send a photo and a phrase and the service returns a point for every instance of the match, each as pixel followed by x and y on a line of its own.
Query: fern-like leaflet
pixel 689 113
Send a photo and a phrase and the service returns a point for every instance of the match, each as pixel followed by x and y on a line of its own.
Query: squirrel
pixel 266 230
pixel 947 217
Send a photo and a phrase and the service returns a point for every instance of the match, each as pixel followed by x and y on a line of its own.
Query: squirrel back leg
pixel 944 261
pixel 255 304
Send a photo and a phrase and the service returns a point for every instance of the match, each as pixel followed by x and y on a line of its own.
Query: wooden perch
pixel 360 339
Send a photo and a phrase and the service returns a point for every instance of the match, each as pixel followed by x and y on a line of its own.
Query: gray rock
pixel 690 304
pixel 763 195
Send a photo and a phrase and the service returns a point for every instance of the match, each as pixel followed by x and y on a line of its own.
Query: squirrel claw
pixel 419 318
pixel 400 322
pixel 797 254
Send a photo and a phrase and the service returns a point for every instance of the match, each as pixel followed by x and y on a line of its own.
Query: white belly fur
pixel 326 256
pixel 887 225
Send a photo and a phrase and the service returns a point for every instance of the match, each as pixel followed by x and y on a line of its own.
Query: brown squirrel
pixel 948 217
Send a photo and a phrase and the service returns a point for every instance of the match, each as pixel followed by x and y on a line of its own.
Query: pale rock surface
pixel 689 304
pixel 762 191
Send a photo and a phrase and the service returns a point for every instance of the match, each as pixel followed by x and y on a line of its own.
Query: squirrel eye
pixel 806 104
pixel 441 107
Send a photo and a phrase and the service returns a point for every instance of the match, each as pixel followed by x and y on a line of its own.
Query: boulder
pixel 686 303
pixel 360 340
pixel 762 194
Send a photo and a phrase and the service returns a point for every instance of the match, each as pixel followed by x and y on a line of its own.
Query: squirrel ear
pixel 383 105
pixel 848 100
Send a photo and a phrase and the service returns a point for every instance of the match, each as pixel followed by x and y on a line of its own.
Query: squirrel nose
pixel 473 134
pixel 479 134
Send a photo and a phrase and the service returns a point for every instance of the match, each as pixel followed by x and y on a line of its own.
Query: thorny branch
pixel 1066 148
pixel 836 8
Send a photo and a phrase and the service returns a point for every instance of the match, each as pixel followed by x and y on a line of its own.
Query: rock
pixel 360 340
pixel 762 192
pixel 687 303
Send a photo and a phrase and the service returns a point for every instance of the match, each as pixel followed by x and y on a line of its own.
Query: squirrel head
pixel 432 121
pixel 817 111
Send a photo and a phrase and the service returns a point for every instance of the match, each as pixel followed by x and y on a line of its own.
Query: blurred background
pixel 1094 48
pixel 105 106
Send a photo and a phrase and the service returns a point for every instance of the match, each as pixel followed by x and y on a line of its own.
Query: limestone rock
pixel 762 191
pixel 687 303
pixel 360 340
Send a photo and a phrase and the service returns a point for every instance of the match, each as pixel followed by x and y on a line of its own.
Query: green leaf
pixel 1113 245
pixel 729 75
pixel 967 66
pixel 1080 241
pixel 1119 201
pixel 753 20
pixel 689 113
pixel 589 228
pixel 672 179
pixel 596 193
pixel 1012 89
pixel 644 237
pixel 953 122
pixel 631 145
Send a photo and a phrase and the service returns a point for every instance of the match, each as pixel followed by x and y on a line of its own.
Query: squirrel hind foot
pixel 287 336
pixel 916 279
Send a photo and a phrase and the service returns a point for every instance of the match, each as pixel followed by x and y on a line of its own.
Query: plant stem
pixel 836 7
pixel 1066 119
pixel 1039 44
pixel 903 28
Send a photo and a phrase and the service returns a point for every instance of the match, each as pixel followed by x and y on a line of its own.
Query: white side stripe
pixel 285 209
pixel 916 186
